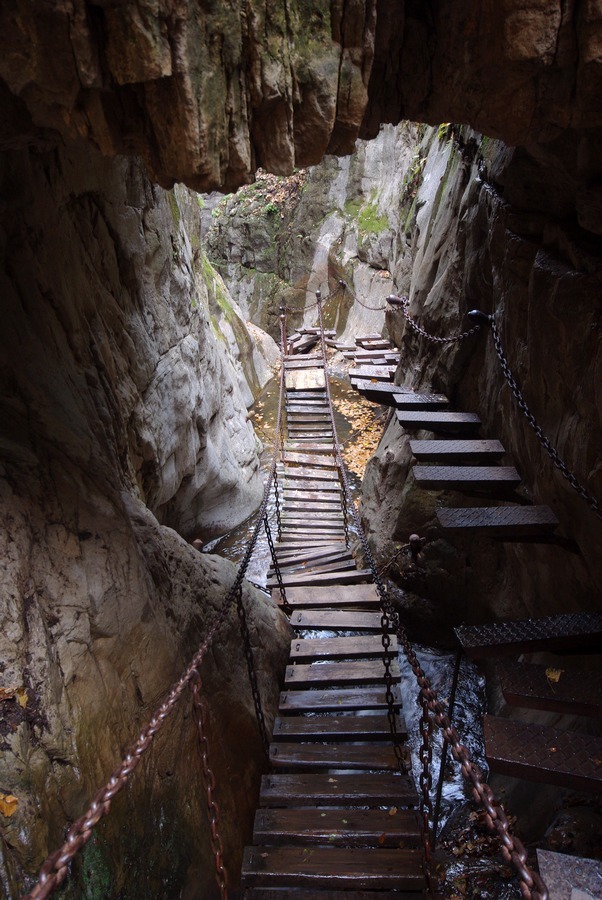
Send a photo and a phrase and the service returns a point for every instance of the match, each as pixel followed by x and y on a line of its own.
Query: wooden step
pixel 565 632
pixel 306 395
pixel 332 728
pixel 301 379
pixel 336 700
pixel 317 517
pixel 305 459
pixel 543 754
pixel 296 549
pixel 337 827
pixel 325 505
pixel 443 422
pixel 330 619
pixel 326 497
pixel 312 894
pixel 476 478
pixel 373 373
pixel 308 789
pixel 554 688
pixel 341 755
pixel 329 674
pixel 309 555
pixel 335 564
pixel 329 867
pixel 458 452
pixel 500 521
pixel 310 478
pixel 355 576
pixel 339 647
pixel 358 596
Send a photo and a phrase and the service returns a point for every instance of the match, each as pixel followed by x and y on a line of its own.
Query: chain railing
pixel 308 306
pixel 403 303
pixel 357 300
pixel 56 867
pixel 532 885
pixel 545 442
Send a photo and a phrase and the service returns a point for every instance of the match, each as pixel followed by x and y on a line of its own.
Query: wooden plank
pixel 336 700
pixel 543 754
pixel 307 575
pixel 308 478
pixel 458 452
pixel 298 507
pixel 312 894
pixel 317 519
pixel 358 596
pixel 439 421
pixel 500 521
pixel 315 447
pixel 301 379
pixel 332 619
pixel 557 689
pixel 339 562
pixel 337 827
pixel 357 576
pixel 330 867
pixel 307 459
pixel 315 557
pixel 309 554
pixel 326 496
pixel 329 674
pixel 318 544
pixel 477 478
pixel 366 756
pixel 329 728
pixel 304 789
pixel 338 647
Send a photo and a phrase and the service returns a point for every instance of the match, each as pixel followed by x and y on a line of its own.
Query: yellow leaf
pixel 553 675
pixel 393 811
pixel 8 805
pixel 22 697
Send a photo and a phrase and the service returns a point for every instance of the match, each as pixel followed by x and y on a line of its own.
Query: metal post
pixel 283 330
pixel 450 712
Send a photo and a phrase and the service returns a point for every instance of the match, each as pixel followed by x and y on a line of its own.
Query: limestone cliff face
pixel 476 243
pixel 122 413
pixel 278 241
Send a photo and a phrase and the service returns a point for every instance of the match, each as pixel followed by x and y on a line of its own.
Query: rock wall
pixel 476 244
pixel 122 414
pixel 280 240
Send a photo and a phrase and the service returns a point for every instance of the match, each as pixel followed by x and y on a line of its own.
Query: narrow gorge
pixel 141 322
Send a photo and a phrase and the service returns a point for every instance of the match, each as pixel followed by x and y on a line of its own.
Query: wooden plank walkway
pixel 338 814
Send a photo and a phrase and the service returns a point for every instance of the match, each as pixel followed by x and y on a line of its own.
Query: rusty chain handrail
pixel 55 868
pixel 299 308
pixel 403 303
pixel 356 299
pixel 532 885
pixel 545 442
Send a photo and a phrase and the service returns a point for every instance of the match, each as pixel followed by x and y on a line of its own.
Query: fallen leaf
pixel 7 693
pixel 382 838
pixel 22 697
pixel 393 811
pixel 553 675
pixel 8 804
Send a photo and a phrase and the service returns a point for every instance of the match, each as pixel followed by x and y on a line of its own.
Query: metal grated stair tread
pixel 568 631
pixel 459 452
pixel 557 689
pixel 441 421
pixel 502 521
pixel 481 478
pixel 540 753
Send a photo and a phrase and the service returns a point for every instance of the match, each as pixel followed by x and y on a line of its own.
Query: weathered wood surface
pixel 337 827
pixel 339 647
pixel 304 788
pixel 336 596
pixel 308 459
pixel 354 868
pixel 330 674
pixel 331 619
pixel 372 727
pixel 302 379
pixel 366 756
pixel 336 700
pixel 355 576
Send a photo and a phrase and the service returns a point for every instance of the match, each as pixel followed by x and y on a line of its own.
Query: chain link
pixel 217 847
pixel 543 440
pixel 304 308
pixel 248 651
pixel 285 604
pixel 357 300
pixel 403 303
pixel 532 886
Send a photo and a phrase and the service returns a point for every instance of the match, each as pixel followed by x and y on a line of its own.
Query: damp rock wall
pixel 124 387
